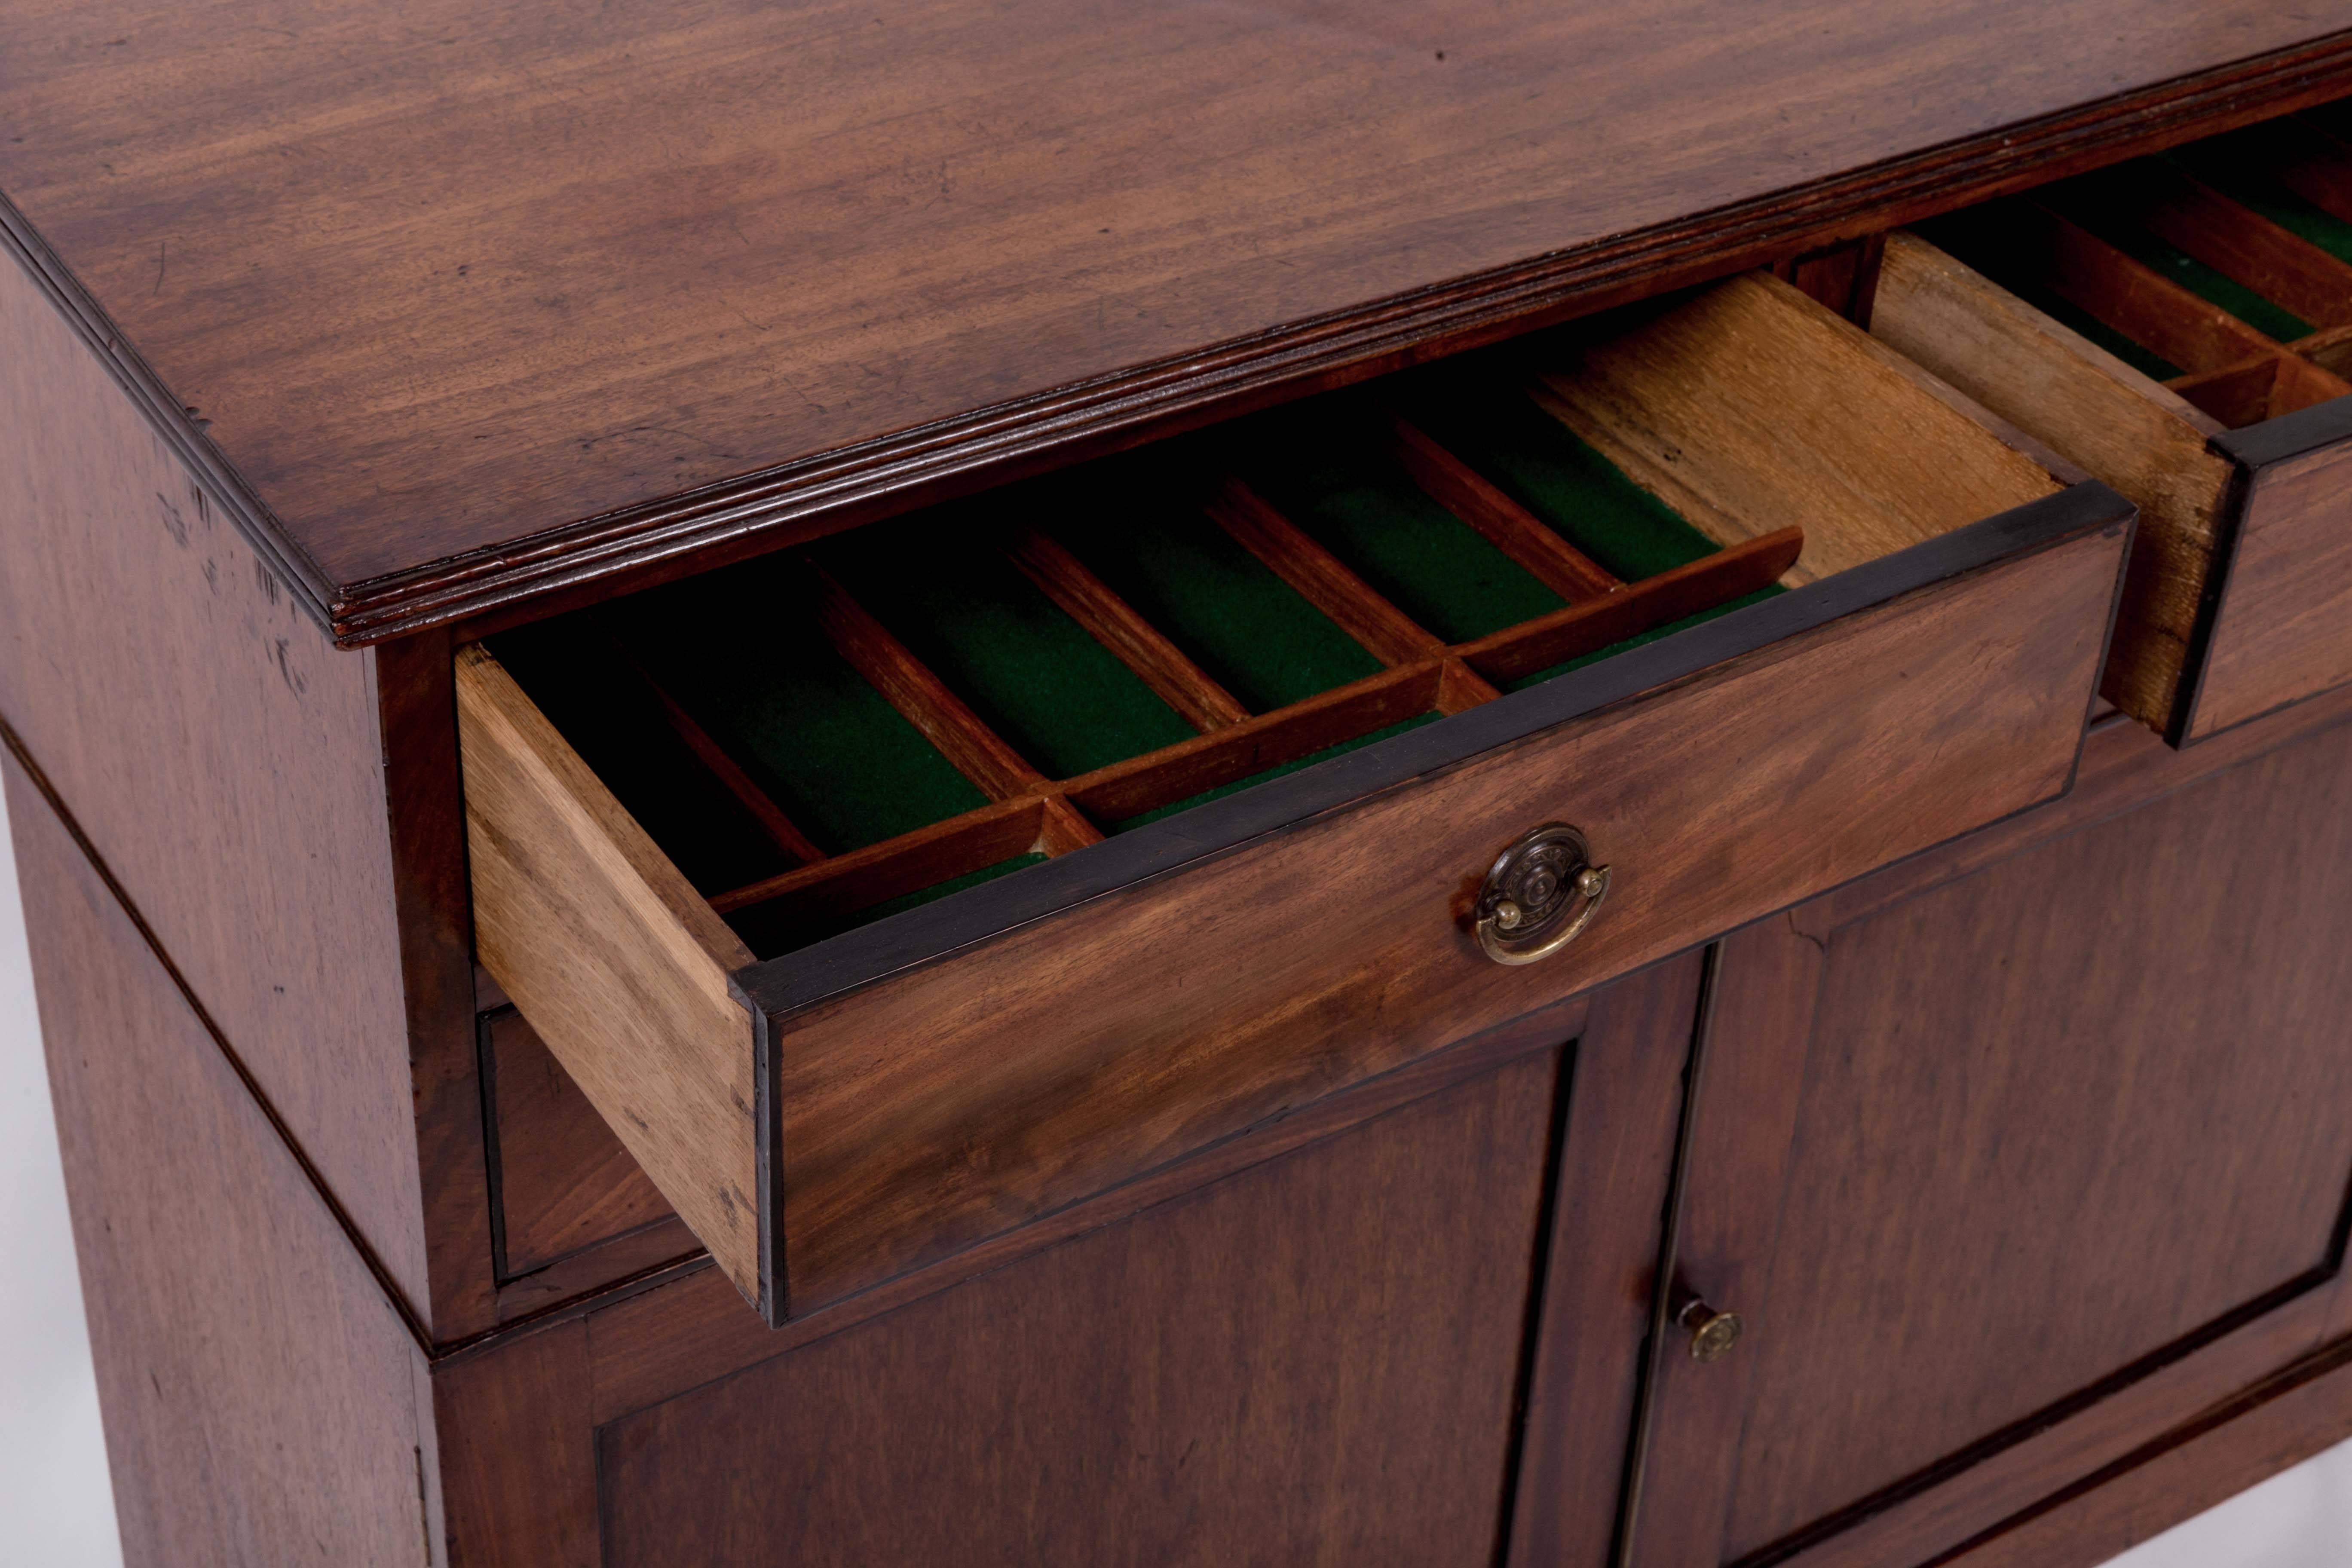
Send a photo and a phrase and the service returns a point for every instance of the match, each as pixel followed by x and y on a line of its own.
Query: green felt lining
pixel 1245 628
pixel 2252 189
pixel 2140 357
pixel 1033 675
pixel 1341 749
pixel 2102 203
pixel 1327 473
pixel 739 650
pixel 1478 413
pixel 1974 239
pixel 2114 224
pixel 596 701
pixel 2273 320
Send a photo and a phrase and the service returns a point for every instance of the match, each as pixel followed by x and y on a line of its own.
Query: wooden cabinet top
pixel 465 304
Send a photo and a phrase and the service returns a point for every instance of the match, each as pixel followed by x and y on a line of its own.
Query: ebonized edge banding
pixel 2288 435
pixel 868 953
pixel 2252 449
pixel 809 497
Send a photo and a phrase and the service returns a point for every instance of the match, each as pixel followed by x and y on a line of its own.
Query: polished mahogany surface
pixel 442 279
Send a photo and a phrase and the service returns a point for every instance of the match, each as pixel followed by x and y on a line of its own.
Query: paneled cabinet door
pixel 1336 1350
pixel 2005 1171
pixel 1311 1362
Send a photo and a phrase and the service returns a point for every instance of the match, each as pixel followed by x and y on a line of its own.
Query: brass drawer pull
pixel 1539 895
pixel 1711 1332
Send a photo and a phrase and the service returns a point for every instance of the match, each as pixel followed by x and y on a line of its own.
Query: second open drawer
pixel 2181 328
pixel 851 1024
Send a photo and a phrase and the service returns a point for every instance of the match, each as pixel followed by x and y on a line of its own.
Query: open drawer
pixel 888 896
pixel 2177 327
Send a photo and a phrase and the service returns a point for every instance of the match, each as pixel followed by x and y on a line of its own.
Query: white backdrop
pixel 56 1510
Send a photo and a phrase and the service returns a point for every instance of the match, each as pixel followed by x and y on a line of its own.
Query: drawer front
pixel 921 1112
pixel 2281 620
pixel 564 1183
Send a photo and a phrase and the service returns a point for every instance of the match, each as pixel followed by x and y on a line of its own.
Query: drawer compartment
pixel 2180 328
pixel 886 896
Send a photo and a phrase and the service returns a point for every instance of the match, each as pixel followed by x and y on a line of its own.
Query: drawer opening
pixel 712 826
pixel 827 739
pixel 2132 320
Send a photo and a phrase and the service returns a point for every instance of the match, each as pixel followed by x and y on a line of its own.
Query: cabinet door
pixel 2006 1175
pixel 1324 1357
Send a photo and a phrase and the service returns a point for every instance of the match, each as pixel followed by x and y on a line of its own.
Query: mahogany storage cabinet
pixel 1177 785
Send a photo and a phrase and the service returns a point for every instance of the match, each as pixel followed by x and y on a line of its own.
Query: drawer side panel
pixel 619 966
pixel 2094 410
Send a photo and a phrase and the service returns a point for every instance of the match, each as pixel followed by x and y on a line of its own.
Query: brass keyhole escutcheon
pixel 1539 895
pixel 1711 1332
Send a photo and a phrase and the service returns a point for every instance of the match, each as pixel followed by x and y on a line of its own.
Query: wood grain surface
pixel 1740 1125
pixel 648 1348
pixel 1111 621
pixel 2284 629
pixel 262 1399
pixel 1616 1158
pixel 416 708
pixel 1310 1363
pixel 2126 429
pixel 598 937
pixel 520 1485
pixel 962 1098
pixel 565 1182
pixel 1752 406
pixel 225 759
pixel 2279 1423
pixel 2042 1195
pixel 1961 1506
pixel 635 1259
pixel 2279 265
pixel 1509 527
pixel 482 300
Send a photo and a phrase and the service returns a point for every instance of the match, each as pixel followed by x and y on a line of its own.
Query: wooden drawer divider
pixel 1029 812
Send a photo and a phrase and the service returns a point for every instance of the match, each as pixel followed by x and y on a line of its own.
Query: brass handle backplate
pixel 1539 895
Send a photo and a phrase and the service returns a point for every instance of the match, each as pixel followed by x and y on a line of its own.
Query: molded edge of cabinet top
pixel 464 305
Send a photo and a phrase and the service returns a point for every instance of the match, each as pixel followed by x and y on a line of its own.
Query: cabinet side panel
pixel 262 1401
pixel 221 755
